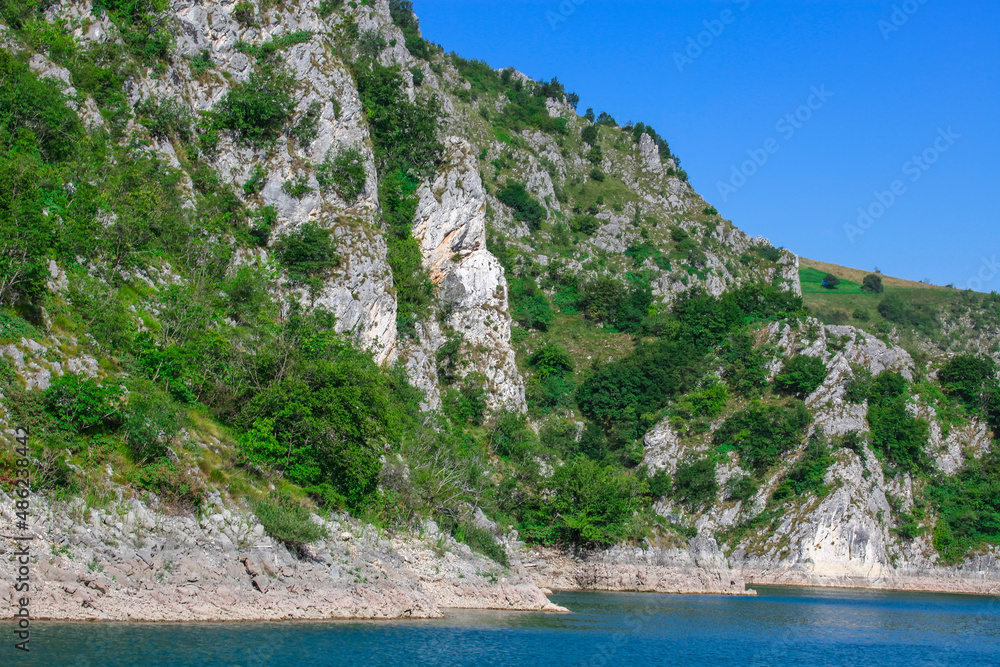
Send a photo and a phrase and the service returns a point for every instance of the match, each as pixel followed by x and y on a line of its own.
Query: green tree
pixel 872 283
pixel 830 281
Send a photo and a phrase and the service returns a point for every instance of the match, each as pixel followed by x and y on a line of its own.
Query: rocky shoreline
pixel 130 562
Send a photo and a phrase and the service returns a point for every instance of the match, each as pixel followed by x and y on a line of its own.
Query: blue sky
pixel 886 81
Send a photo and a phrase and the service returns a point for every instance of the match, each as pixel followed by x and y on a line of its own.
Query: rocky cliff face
pixel 472 290
pixel 847 537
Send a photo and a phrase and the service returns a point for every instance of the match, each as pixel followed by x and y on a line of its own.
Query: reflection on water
pixel 778 626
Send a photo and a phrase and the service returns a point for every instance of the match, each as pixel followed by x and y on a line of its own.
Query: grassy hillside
pixel 926 317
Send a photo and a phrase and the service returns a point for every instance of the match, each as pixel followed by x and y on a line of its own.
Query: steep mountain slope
pixel 282 260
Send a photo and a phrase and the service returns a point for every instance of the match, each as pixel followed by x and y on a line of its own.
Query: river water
pixel 780 626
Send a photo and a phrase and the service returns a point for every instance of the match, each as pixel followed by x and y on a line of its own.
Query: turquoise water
pixel 783 626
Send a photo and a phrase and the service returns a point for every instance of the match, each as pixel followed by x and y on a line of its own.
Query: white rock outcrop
pixel 451 227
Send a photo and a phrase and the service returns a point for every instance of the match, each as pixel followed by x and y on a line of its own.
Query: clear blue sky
pixel 895 92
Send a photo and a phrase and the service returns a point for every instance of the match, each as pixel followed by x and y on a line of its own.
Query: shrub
pixel 287 520
pixel 744 366
pixel 589 134
pixel 808 472
pixel 593 504
pixel 344 172
pixel 467 403
pixel 510 435
pixel 861 315
pixel 830 281
pixel 525 208
pixel 244 13
pixel 371 43
pixel 418 80
pixel 872 283
pixel 262 223
pixel 762 433
pixel 307 128
pixel 742 488
pixel 34 111
pixel 166 119
pixel 585 224
pixel 401 12
pixel 609 301
pixel 768 252
pixel 297 188
pixel 897 435
pixel 404 132
pixel 801 376
pixel 307 252
pixel 967 506
pixel 179 488
pixel 707 402
pixel 529 305
pixel 968 377
pixel 694 481
pixel 25 233
pixel 266 52
pixel 256 180
pixel 150 422
pixel 550 387
pixel 327 7
pixel 201 63
pixel 623 396
pixel 551 360
pixel 80 403
pixel 332 408
pixel 597 175
pixel 479 540
pixel 895 309
pixel 256 111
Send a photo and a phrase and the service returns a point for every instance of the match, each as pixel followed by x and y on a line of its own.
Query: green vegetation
pixel 896 435
pixel 343 172
pixel 762 432
pixel 406 149
pixel 610 302
pixel 257 111
pixel 525 207
pixel 287 520
pixel 402 15
pixel 694 481
pixel 872 283
pixel 808 473
pixel 307 253
pixel 801 376
pixel 968 509
pixel 225 338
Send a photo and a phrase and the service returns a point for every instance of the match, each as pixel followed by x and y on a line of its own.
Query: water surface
pixel 783 626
